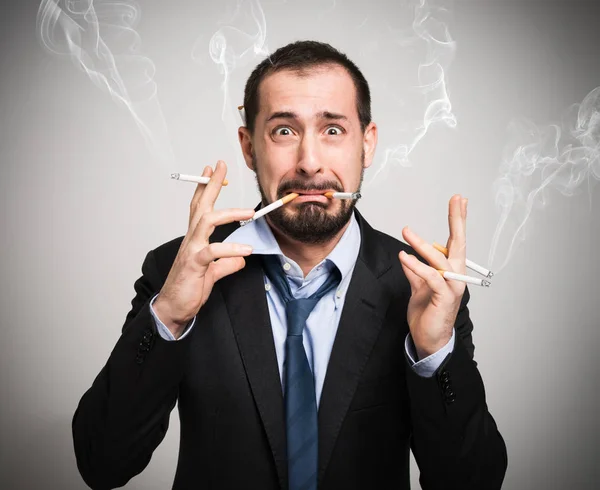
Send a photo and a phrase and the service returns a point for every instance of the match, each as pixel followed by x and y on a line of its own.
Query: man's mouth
pixel 310 195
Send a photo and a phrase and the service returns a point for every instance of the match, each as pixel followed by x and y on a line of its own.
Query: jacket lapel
pixel 362 317
pixel 244 295
pixel 364 310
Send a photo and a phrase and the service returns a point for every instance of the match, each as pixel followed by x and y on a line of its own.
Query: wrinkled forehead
pixel 308 92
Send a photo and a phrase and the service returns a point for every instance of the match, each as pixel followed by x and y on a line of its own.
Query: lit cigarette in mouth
pixel 194 178
pixel 461 277
pixel 471 265
pixel 271 207
pixel 342 195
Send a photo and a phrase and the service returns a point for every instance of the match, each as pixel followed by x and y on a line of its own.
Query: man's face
pixel 308 139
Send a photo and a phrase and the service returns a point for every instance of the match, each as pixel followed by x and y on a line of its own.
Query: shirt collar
pixel 259 236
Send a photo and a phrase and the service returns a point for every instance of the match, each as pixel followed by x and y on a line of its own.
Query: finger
pixel 207 172
pixel 220 250
pixel 225 267
pixel 194 214
pixel 433 256
pixel 432 278
pixel 456 225
pixel 414 280
pixel 211 192
pixel 208 221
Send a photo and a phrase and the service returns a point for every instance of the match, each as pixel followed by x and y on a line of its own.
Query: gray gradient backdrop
pixel 83 200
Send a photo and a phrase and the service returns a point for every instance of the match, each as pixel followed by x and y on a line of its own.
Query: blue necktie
pixel 300 398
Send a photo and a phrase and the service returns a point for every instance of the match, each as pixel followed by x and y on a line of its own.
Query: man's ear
pixel 246 143
pixel 370 143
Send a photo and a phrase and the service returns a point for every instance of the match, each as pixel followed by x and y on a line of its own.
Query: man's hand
pixel 435 301
pixel 198 264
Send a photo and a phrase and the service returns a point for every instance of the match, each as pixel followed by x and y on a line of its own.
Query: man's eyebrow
pixel 321 115
pixel 331 115
pixel 282 115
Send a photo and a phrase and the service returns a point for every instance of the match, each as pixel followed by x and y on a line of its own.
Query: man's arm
pixel 124 416
pixel 455 440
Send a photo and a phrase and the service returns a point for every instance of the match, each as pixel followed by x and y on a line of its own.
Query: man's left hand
pixel 435 301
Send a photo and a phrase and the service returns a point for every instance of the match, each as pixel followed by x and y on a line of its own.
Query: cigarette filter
pixel 342 195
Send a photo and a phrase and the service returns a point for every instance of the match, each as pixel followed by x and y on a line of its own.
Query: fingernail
pixel 246 249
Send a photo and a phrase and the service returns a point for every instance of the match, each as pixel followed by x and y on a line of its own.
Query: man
pixel 305 349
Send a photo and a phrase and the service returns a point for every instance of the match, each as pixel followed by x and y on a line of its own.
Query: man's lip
pixel 312 198
pixel 310 192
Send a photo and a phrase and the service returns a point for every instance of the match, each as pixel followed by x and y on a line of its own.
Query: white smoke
pixel 101 39
pixel 235 45
pixel 557 157
pixel 430 34
pixel 240 42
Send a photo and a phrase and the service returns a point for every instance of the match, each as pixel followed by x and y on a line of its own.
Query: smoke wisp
pixel 101 39
pixel 559 157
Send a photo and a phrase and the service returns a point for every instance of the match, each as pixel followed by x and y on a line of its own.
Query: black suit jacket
pixel 224 375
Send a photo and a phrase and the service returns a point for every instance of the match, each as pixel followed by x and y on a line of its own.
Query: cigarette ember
pixel 471 265
pixel 194 178
pixel 342 195
pixel 271 207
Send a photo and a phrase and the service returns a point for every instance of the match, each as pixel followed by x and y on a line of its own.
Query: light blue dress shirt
pixel 322 324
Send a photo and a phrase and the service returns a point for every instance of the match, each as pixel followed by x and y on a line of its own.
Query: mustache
pixel 303 185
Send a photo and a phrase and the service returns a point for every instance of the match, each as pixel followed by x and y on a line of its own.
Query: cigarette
pixel 471 265
pixel 271 207
pixel 242 112
pixel 194 178
pixel 342 195
pixel 462 277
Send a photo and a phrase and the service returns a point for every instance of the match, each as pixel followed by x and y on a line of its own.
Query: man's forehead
pixel 317 89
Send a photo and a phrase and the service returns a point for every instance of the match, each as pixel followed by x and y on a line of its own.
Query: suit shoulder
pixel 164 255
pixel 168 248
pixel 392 244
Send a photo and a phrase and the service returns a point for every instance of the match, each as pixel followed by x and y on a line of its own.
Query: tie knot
pixel 297 310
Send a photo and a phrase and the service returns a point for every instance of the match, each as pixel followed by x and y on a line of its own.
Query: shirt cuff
pixel 163 331
pixel 427 366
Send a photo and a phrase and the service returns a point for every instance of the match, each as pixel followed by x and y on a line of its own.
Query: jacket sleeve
pixel 124 415
pixel 455 440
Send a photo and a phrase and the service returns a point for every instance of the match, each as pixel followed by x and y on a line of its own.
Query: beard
pixel 311 223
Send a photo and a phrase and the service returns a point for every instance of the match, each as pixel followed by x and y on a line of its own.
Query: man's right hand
pixel 199 264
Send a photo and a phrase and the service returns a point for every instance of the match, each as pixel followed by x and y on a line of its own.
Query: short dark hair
pixel 299 56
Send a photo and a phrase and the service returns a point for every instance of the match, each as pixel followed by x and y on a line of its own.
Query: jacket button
pixel 139 359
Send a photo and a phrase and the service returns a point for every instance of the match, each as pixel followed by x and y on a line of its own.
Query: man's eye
pixel 282 131
pixel 334 131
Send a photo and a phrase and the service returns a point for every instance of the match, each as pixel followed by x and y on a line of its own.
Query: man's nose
pixel 310 161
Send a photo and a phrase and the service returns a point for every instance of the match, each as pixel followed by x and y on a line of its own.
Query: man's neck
pixel 306 255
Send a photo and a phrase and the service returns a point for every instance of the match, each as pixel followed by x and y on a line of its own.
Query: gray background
pixel 84 199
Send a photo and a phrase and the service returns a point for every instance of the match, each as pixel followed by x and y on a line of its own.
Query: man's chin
pixel 311 222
